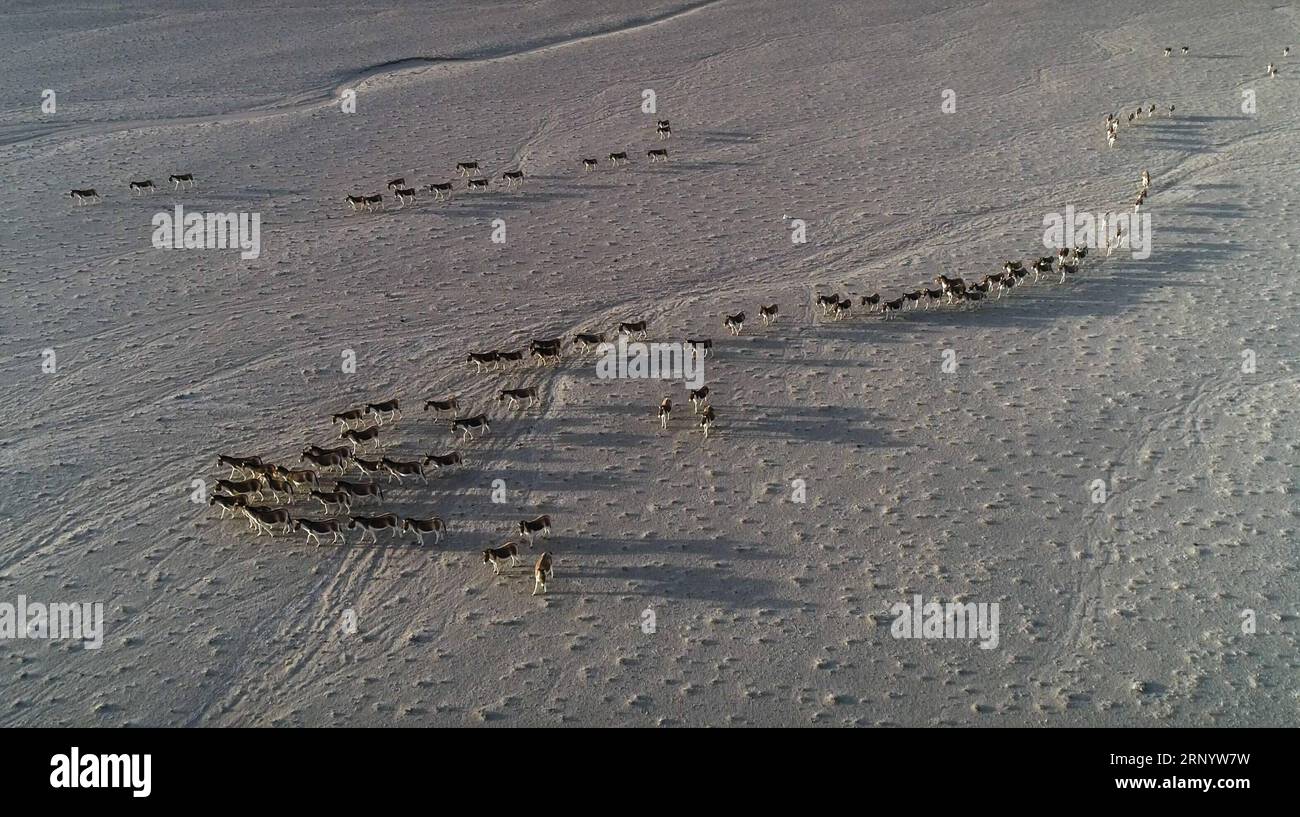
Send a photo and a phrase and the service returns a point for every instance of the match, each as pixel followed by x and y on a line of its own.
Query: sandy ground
pixel 972 485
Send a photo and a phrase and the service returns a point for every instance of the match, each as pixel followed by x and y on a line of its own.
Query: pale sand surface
pixel 973 485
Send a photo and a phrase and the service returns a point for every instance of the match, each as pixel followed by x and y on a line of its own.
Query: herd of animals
pixel 471 172
pixel 956 290
pixel 361 431
pixel 1112 120
pixel 178 181
pixel 403 193
pixel 1066 261
pixel 253 480
pixel 361 428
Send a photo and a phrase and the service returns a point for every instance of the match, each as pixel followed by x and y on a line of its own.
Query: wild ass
pixel 629 328
pixel 544 355
pixel 327 458
pixel 698 398
pixel 370 524
pixel 528 527
pixel 735 323
pixel 439 406
pixel 265 519
pixel 1043 265
pixel 316 528
pixel 253 485
pixel 278 486
pixel 443 460
pixel 404 468
pixel 707 420
pixel 368 467
pixel 467 425
pixel 333 499
pixel 359 489
pixel 587 341
pixel 509 552
pixel 481 359
pixel 700 347
pixel 240 464
pixel 549 343
pixel 386 407
pixel 234 504
pixel 347 418
pixel 542 572
pixel 950 286
pixel 516 396
pixel 420 527
pixel 357 438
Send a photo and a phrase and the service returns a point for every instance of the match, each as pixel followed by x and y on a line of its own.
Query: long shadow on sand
pixel 1104 288
pixel 732 136
pixel 838 424
pixel 716 585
